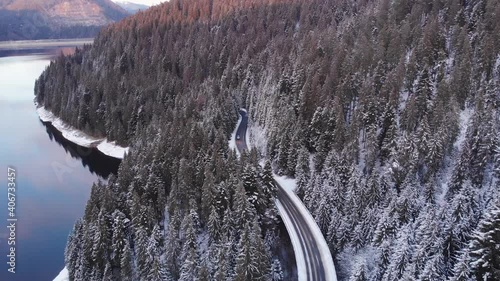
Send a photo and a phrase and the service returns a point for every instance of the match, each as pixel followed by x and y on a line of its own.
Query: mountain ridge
pixel 39 19
pixel 132 7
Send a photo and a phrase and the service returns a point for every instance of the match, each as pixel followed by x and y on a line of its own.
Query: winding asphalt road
pixel 313 263
pixel 241 132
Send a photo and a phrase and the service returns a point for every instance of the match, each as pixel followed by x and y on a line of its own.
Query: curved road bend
pixel 241 132
pixel 314 268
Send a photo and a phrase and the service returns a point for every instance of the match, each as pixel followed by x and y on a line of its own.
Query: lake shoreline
pixel 44 43
pixel 80 138
pixel 54 176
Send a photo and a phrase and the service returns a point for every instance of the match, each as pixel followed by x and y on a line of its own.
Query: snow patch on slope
pixel 78 137
pixel 257 138
pixel 465 120
pixel 465 117
pixel 63 275
pixel 287 183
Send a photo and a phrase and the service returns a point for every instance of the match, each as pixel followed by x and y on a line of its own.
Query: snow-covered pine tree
pixel 302 171
pixel 156 267
pixel 462 269
pixel 401 255
pixel 127 272
pixel 485 245
pixel 276 271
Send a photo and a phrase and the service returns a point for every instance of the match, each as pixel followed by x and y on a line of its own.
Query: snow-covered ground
pixel 78 137
pixel 63 276
pixel 287 183
pixel 257 138
pixel 465 120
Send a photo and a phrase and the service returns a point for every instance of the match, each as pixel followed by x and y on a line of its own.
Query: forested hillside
pixel 30 25
pixel 46 19
pixel 386 112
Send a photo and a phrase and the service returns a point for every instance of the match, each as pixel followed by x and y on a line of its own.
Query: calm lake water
pixel 53 176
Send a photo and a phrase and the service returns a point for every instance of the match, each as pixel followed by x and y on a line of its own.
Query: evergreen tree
pixel 462 270
pixel 243 210
pixel 156 267
pixel 126 264
pixel 302 171
pixel 359 273
pixel 172 251
pixel 214 226
pixel 484 250
pixel 276 271
pixel 208 194
pixel 401 255
pixel 251 262
pixel 189 269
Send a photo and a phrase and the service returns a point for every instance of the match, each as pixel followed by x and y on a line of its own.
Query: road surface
pixel 241 132
pixel 309 254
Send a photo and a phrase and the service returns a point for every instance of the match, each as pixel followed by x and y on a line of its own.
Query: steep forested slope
pixel 386 112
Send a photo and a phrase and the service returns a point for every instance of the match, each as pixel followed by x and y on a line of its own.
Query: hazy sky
pixel 147 2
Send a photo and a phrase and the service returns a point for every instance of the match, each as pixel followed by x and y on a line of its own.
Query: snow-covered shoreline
pixel 63 276
pixel 80 138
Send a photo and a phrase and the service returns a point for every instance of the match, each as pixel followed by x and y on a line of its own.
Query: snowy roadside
pixel 245 137
pixel 80 138
pixel 63 275
pixel 297 246
pixel 289 186
pixel 232 141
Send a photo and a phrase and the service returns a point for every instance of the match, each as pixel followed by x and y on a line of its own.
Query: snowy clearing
pixel 63 275
pixel 80 138
pixel 287 183
pixel 257 138
pixel 465 120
